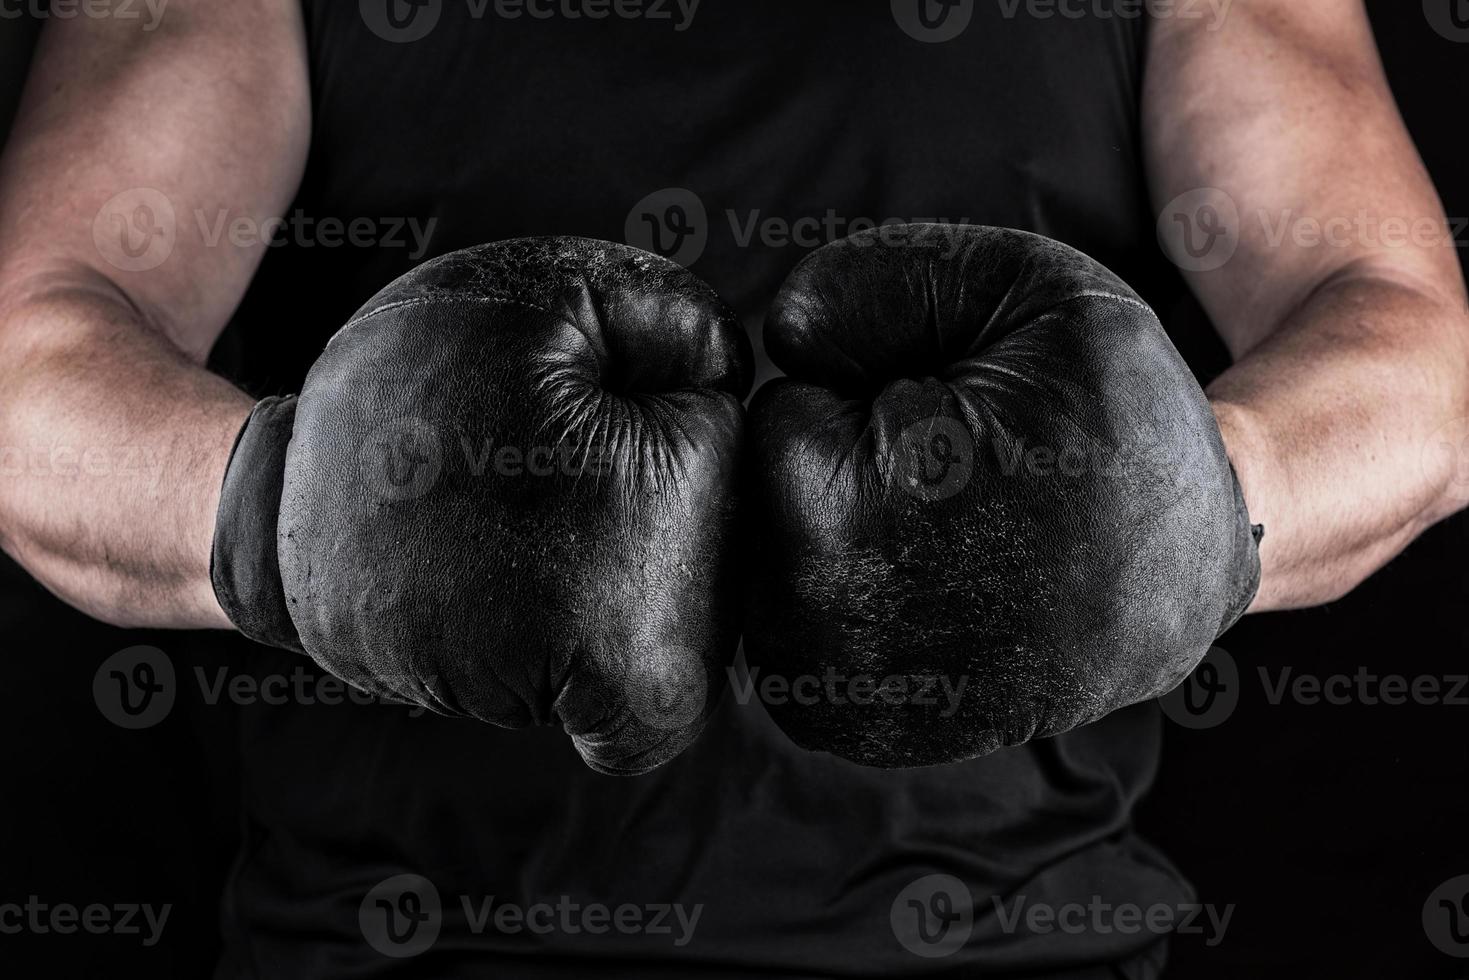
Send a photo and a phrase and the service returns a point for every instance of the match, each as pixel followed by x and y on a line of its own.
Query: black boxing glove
pixel 506 491
pixel 989 502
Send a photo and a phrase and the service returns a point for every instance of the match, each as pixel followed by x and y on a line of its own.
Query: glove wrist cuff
pixel 1245 582
pixel 243 564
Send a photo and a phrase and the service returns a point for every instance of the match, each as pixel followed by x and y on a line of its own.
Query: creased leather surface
pixel 987 466
pixel 588 584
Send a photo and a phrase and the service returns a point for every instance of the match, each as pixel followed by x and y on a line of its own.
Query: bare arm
pixel 128 146
pixel 1342 300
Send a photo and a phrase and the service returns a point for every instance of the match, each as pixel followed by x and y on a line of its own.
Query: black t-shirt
pixel 735 141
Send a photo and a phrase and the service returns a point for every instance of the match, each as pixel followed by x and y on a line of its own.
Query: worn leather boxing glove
pixel 506 491
pixel 989 502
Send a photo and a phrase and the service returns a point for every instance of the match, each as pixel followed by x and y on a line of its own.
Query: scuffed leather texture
pixel 243 564
pixel 587 581
pixel 988 471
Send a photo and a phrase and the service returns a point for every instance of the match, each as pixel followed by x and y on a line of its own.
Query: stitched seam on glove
pixel 429 300
pixel 1091 294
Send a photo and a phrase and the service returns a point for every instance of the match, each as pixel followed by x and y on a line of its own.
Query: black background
pixel 1326 826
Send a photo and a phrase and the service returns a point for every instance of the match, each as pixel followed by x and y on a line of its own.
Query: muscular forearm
pixel 1332 424
pixel 114 447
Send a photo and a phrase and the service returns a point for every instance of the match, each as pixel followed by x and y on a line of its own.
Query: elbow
pixel 1445 464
